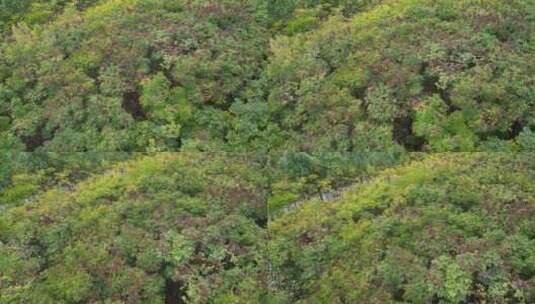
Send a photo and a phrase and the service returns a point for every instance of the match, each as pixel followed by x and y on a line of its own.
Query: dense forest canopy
pixel 449 229
pixel 267 151
pixel 128 75
pixel 143 75
pixel 142 229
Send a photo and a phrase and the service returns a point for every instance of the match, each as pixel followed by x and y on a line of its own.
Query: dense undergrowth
pixel 151 75
pixel 447 229
pixel 168 225
pixel 280 151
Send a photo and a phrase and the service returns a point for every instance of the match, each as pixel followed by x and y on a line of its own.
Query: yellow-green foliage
pixel 452 227
pixel 185 218
pixel 35 12
pixel 23 186
pixel 269 105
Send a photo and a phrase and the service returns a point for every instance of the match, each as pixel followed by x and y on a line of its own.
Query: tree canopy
pixel 179 225
pixel 267 151
pixel 445 229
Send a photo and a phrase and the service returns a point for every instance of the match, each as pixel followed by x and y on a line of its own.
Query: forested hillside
pixel 143 230
pixel 267 151
pixel 447 229
pixel 237 75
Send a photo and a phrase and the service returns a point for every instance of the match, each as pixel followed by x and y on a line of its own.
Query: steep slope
pixel 293 99
pixel 127 75
pixel 165 228
pixel 343 76
pixel 453 228
pixel 429 75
